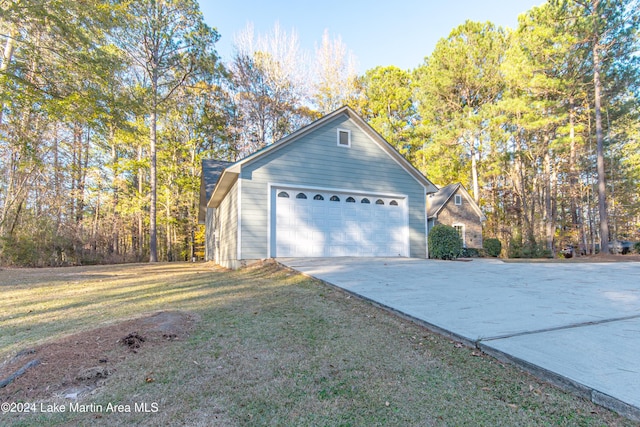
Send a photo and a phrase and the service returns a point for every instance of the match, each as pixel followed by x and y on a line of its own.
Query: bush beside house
pixel 444 242
pixel 493 247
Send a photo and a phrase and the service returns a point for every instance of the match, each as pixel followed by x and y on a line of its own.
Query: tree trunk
pixel 168 214
pixel 153 236
pixel 474 162
pixel 8 199
pixel 94 229
pixel 573 179
pixel 474 175
pixel 577 221
pixel 6 58
pixel 602 189
pixel 115 247
pixel 549 217
pixel 57 185
pixel 140 230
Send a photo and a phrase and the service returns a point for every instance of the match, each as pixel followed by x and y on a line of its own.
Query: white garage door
pixel 311 223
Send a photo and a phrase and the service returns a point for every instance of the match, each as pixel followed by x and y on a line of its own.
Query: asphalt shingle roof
pixel 438 200
pixel 211 171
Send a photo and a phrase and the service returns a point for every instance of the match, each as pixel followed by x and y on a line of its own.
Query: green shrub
pixel 470 253
pixel 527 249
pixel 636 247
pixel 444 242
pixel 515 247
pixel 493 247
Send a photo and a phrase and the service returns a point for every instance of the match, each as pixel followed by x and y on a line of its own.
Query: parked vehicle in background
pixel 567 251
pixel 621 247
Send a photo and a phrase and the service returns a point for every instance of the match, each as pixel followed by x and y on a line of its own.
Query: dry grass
pixel 270 347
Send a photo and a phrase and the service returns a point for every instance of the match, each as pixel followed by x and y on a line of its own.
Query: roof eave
pixel 225 182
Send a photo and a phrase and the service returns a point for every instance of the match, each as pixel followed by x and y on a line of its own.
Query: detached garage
pixel 333 188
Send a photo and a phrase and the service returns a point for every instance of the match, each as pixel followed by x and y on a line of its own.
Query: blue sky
pixel 399 32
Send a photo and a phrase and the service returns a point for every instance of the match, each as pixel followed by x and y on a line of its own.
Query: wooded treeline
pixel 108 107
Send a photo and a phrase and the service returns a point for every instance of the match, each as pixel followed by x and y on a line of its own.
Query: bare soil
pixel 77 364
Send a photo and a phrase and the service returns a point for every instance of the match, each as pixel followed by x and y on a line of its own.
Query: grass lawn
pixel 263 346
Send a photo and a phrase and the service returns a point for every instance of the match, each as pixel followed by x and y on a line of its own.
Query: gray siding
pixel 315 160
pixel 209 235
pixel 226 224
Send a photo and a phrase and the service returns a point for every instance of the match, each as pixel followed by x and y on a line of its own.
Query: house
pixel 333 188
pixel 453 205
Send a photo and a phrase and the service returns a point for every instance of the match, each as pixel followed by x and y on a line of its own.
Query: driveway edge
pixel 565 383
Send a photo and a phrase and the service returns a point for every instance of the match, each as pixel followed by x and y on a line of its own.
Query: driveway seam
pixel 558 328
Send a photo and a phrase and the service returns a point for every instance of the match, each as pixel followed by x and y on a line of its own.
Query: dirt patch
pixel 133 341
pixel 614 258
pixel 79 363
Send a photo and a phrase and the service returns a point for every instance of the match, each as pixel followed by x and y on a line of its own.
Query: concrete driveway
pixel 575 324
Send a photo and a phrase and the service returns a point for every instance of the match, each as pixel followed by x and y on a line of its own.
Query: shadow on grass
pixel 59 305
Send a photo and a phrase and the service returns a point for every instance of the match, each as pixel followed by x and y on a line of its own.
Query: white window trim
pixel 457 199
pixel 338 138
pixel 464 232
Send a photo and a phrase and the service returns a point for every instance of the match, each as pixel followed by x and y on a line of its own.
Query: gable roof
pixel 211 171
pixel 230 174
pixel 437 201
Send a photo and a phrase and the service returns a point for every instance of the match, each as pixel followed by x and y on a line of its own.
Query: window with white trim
pixel 458 199
pixel 344 138
pixel 461 232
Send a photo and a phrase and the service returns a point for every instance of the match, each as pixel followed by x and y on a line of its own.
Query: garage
pixel 313 223
pixel 334 188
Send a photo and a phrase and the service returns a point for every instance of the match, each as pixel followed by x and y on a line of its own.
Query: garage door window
pixel 335 199
pixel 301 196
pixel 283 194
pixel 365 200
pixel 351 200
pixel 393 203
pixel 318 197
pixel 379 202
